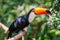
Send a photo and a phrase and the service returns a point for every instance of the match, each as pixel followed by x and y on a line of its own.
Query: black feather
pixel 19 24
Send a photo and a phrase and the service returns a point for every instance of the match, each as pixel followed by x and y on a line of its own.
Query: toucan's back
pixel 19 24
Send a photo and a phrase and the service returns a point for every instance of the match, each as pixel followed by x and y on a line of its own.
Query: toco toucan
pixel 23 21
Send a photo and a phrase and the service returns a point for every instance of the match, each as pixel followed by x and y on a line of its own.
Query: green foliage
pixel 50 30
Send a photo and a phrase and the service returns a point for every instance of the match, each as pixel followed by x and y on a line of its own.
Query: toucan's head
pixel 37 11
pixel 40 11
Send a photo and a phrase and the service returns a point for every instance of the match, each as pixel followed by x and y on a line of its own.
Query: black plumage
pixel 19 24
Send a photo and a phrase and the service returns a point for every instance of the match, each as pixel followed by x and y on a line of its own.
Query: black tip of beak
pixel 49 12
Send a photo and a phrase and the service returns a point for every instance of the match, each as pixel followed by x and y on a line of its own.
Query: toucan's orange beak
pixel 41 10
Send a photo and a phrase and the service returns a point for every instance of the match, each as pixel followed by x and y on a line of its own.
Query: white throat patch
pixel 31 17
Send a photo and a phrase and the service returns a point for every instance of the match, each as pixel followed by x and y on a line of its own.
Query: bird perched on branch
pixel 23 21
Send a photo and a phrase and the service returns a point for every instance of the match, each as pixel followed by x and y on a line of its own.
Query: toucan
pixel 23 21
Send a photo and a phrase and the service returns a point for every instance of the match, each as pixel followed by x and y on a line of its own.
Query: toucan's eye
pixel 48 11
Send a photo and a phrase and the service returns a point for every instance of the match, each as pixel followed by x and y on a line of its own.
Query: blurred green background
pixel 41 28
